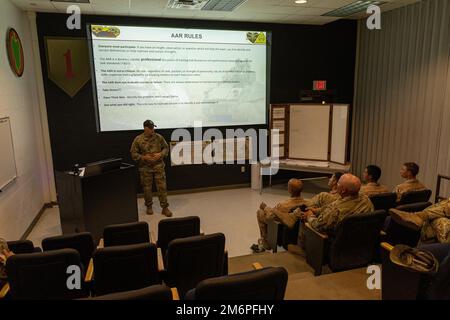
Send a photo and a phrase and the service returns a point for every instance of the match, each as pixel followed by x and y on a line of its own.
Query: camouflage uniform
pixel 338 210
pixel 143 145
pixel 3 246
pixel 408 185
pixel 373 188
pixel 436 225
pixel 283 208
pixel 322 199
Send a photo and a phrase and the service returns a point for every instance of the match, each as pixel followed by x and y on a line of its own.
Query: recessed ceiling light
pixel 300 1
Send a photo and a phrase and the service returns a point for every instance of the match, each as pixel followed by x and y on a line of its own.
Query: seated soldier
pixel 4 255
pixel 409 171
pixel 351 203
pixel 372 174
pixel 316 203
pixel 265 213
pixel 433 222
pixel 322 199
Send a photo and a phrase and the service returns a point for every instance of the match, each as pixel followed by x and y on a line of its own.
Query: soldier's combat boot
pixel 149 211
pixel 410 220
pixel 166 212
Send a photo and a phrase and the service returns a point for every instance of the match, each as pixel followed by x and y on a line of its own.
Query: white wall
pixel 21 201
pixel 401 106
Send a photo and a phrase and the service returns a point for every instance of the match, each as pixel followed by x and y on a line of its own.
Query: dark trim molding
pixel 206 189
pixel 36 219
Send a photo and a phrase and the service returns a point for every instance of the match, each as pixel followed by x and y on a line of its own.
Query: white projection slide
pixel 178 77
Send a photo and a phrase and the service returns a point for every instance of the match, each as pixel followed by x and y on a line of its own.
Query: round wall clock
pixel 15 52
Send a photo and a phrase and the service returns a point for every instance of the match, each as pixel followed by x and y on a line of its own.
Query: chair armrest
pixel 317 233
pixel 101 244
pixel 257 266
pixel 4 291
pixel 90 271
pixel 160 260
pixel 316 247
pixel 175 295
pixel 273 234
pixel 387 246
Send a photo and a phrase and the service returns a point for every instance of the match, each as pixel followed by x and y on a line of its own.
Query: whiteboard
pixel 339 133
pixel 309 129
pixel 8 171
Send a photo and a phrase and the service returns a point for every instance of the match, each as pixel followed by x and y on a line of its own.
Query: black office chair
pixel 176 228
pixel 154 293
pixel 43 276
pixel 82 242
pixel 399 234
pixel 384 201
pixel 125 268
pixel 125 234
pixel 193 259
pixel 399 283
pixel 263 284
pixel 415 197
pixel 352 245
pixel 22 246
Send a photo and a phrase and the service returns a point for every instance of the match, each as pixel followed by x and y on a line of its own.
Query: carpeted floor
pixel 303 285
pixel 347 285
pixel 292 263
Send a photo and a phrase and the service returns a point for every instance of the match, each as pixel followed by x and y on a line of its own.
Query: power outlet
pixel 243 169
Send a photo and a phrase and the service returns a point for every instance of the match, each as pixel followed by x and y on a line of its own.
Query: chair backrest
pixel 355 240
pixel 384 201
pixel 176 228
pixel 264 284
pixel 156 292
pixel 415 196
pixel 125 234
pixel 82 242
pixel 22 246
pixel 124 268
pixel 193 259
pixel 42 276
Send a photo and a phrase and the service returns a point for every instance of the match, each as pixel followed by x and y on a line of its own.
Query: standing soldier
pixel 149 150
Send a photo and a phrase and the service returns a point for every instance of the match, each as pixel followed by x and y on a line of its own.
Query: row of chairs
pixel 126 259
pixel 260 284
pixel 127 265
pixel 355 242
pixel 280 235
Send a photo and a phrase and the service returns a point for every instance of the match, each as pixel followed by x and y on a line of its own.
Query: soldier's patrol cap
pixel 414 259
pixel 149 124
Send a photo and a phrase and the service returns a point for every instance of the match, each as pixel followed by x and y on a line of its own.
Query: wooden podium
pixel 93 202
